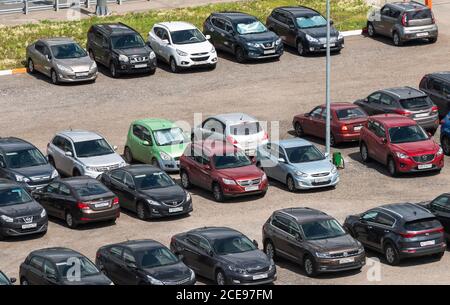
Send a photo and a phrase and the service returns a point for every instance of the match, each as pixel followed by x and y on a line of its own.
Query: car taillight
pixel 115 201
pixel 232 140
pixel 403 112
pixel 410 234
pixel 83 206
pixel 405 19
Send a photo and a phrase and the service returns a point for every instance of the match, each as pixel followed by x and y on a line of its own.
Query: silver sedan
pixel 61 59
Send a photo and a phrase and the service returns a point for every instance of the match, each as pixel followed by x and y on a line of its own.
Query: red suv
pixel 346 122
pixel 399 143
pixel 221 168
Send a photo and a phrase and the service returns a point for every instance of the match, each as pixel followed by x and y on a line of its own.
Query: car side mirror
pixel 2 164
pixel 208 37
pixel 298 237
pixel 13 280
pixel 165 41
pixel 131 187
pixel 366 100
pixel 146 143
pixel 68 154
pixel 331 21
pixel 327 155
pixel 48 57
pixel 307 114
pixel 292 27
pixel 281 160
pixel 231 32
pixel 429 134
pixel 255 243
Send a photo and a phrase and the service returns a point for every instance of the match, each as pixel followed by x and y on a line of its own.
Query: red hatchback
pixel 346 122
pixel 221 168
pixel 399 143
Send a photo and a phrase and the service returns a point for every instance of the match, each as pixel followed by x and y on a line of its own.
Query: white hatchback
pixel 182 45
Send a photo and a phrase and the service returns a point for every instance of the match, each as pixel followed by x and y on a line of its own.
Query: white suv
pixel 78 152
pixel 182 45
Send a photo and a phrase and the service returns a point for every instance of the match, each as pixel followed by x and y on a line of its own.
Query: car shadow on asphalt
pixel 406 262
pixel 294 52
pixel 231 58
pixel 321 142
pixel 282 186
pixel 41 77
pixel 132 214
pixel 388 41
pixel 17 239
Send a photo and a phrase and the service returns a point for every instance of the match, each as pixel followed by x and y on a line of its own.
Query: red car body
pixel 313 123
pixel 423 155
pixel 198 163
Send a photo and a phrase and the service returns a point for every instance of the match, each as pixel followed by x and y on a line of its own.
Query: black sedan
pixel 79 200
pixel 143 262
pixel 4 280
pixel 148 191
pixel 224 255
pixel 440 207
pixel 60 266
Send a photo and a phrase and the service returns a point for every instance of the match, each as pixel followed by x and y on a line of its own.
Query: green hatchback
pixel 158 142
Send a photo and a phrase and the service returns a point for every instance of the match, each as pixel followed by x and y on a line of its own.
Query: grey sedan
pixel 61 59
pixel 298 164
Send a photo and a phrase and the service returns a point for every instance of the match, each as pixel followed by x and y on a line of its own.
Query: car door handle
pixel 387 231
pixel 369 227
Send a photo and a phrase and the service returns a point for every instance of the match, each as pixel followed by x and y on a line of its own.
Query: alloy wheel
pixel 185 180
pixel 364 153
pixel 140 210
pixel 220 278
pixel 290 184
pixel 300 49
pixel 309 266
pixel 390 254
pixel 270 251
pixel 173 66
pixel 54 77
pixel 240 55
pixel 30 66
pixel 217 192
pixel 69 220
pixel 370 30
pixel 299 130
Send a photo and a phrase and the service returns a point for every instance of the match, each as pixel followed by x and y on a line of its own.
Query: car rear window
pixel 415 103
pixel 419 14
pixel 350 113
pixel 245 129
pixel 423 224
pixel 90 189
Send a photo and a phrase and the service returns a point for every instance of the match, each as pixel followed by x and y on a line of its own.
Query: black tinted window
pixel 422 224
pixel 38 263
pixel 420 14
pixel 385 219
pixel 416 103
pixel 281 223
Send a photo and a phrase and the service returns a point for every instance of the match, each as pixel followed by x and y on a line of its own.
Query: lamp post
pixel 327 83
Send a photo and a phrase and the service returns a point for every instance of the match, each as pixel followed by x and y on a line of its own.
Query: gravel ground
pixel 34 109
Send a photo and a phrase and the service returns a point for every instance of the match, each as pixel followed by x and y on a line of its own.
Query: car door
pixel 362 226
pixel 47 64
pixel 265 159
pixel 376 141
pixel 290 31
pixel 279 25
pixel 154 39
pixel 35 274
pixel 112 264
pixel 205 260
pixel 47 197
pixel 128 268
pixel 309 123
pixel 38 56
pixel 440 207
pixel 281 236
pixel 380 227
pixel 278 171
pixel 116 185
pixel 203 174
pixel 166 45
pixel 216 30
pixel 65 201
pixel 229 39
pixel 62 146
pixel 128 192
pixel 373 104
pixel 191 253
pixel 50 273
pixel 141 145
pixel 295 244
pixel 101 48
pixel 387 104
pixel 381 23
pixel 435 90
pixel 389 20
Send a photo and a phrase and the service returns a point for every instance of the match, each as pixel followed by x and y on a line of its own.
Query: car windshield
pixel 3 279
pixel 153 181
pixel 303 154
pixel 127 41
pixel 423 224
pixel 14 196
pixel 187 36
pixel 93 148
pixel 250 27
pixel 350 114
pixel 67 51
pixel 312 21
pixel 234 244
pixel 404 134
pixel 322 229
pixel 76 266
pixel 155 258
pixel 90 189
pixel 245 129
pixel 415 103
pixel 232 160
pixel 25 158
pixel 169 136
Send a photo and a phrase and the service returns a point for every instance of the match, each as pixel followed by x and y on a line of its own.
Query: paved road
pixel 34 109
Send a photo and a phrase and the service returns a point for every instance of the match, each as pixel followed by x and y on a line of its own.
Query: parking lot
pixel 34 109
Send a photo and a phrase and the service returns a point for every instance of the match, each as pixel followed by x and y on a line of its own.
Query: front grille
pixel 344 254
pixel 107 168
pixel 181 282
pixel 249 182
pixel 26 219
pixel 268 45
pixel 200 54
pixel 173 203
pixel 138 59
pixel 320 174
pixel 257 270
pixel 320 183
pixel 203 58
pixel 423 158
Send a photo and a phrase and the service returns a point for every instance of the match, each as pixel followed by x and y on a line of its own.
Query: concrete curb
pixel 352 33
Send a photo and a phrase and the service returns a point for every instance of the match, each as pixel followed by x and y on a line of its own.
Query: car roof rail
pixel 127 26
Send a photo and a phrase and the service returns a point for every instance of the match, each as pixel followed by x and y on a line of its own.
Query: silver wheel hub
pixel 308 266
pixel 69 219
pixel 269 250
pixel 390 255
pixel 220 279
pixel 184 179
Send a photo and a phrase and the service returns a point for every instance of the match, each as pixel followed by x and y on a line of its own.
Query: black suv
pixel 313 239
pixel 440 207
pixel 20 214
pixel 437 86
pixel 406 101
pixel 398 231
pixel 304 29
pixel 242 35
pixel 120 48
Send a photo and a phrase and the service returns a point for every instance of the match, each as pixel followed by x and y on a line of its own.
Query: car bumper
pixel 75 78
pixel 409 165
pixel 15 229
pixel 414 33
pixel 312 182
pixel 169 166
pixel 237 190
pixel 347 137
pixel 423 251
pixel 128 68
pixel 197 61
pixel 252 279
pixel 87 216
pixel 429 124
pixel 336 264
pixel 166 211
pixel 322 47
pixel 259 53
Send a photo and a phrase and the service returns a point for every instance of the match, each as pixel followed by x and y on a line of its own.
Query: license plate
pixel 318 180
pixel 331 45
pixel 101 204
pixel 357 128
pixel 29 226
pixel 427 243
pixel 269 52
pixel 260 276
pixel 82 74
pixel 251 188
pixel 346 260
pixel 140 66
pixel 422 34
pixel 425 166
pixel 174 210
pixel 421 115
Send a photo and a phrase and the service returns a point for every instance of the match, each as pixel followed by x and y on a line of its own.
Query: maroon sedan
pixel 346 122
pixel 221 168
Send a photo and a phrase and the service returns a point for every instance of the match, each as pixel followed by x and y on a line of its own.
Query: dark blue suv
pixel 445 134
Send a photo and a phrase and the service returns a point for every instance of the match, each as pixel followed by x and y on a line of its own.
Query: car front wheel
pixel 54 77
pixel 391 254
pixel 445 143
pixel 364 153
pixel 392 167
pixel 370 29
pixel 396 39
pixel 220 278
pixel 173 65
pixel 30 66
pixel 240 56
pixel 218 193
pixel 269 249
pixel 301 49
pixel 310 266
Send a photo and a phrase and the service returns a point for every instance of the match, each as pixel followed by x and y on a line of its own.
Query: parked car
pixel 346 122
pixel 304 29
pixel 80 152
pixel 143 262
pixel 440 207
pixel 401 144
pixel 4 280
pixel 437 87
pixel 79 200
pixel 221 168
pixel 242 35
pixel 445 135
pixel 182 45
pixel 224 255
pixel 403 21
pixel 406 101
pixel 298 164
pixel 240 129
pixel 20 214
pixel 60 266
pixel 148 191
pixel 120 48
pixel 312 239
pixel 158 142
pixel 21 161
pixel 61 59
pixel 398 231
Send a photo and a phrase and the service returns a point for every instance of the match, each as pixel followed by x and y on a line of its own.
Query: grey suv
pixel 403 21
pixel 437 86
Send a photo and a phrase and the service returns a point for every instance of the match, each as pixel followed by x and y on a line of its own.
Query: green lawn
pixel 347 15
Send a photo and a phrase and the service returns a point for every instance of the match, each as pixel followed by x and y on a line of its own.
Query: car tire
pixel 217 192
pixel 91 55
pixel 152 72
pixel 70 221
pixel 290 184
pixel 309 265
pixel 76 173
pixel 445 143
pixel 113 70
pixel 299 132
pixel 371 30
pixel 432 40
pixel 396 39
pixel 128 155
pixel 185 181
pixel 30 66
pixel 364 152
pixel 332 140
pixel 240 55
pixel 391 254
pixel 24 281
pixel 54 77
pixel 220 278
pixel 142 211
pixel 173 65
pixel 269 249
pixel 392 168
pixel 213 67
pixel 301 49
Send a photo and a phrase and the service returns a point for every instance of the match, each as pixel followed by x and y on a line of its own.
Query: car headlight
pixel 228 181
pixel 64 68
pixel 334 170
pixel 43 213
pixel 153 202
pixel 213 50
pixel 440 151
pixel 90 169
pixel 310 38
pixel 152 55
pixel 237 270
pixel 340 36
pixel 111 284
pixel 253 44
pixel 181 53
pixel 360 250
pixel 401 155
pixel 301 174
pixel 93 66
pixel 165 156
pixel 20 178
pixel 6 218
pixel 154 281
pixel 278 41
pixel 188 196
pixel 322 255
pixel 54 174
pixel 123 58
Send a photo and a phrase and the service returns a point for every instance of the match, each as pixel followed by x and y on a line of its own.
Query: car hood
pixel 170 273
pixel 174 151
pixel 174 192
pixel 340 243
pixel 98 279
pixel 192 48
pixel 420 147
pixel 260 37
pixel 19 210
pixel 320 32
pixel 242 173
pixel 255 259
pixel 76 64
pixel 105 160
pixel 41 171
pixel 314 167
pixel 144 51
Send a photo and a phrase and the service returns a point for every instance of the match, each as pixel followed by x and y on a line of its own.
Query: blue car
pixel 298 164
pixel 445 134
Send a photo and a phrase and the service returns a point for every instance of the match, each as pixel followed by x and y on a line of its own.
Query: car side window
pixel 370 216
pixel 164 35
pixel 380 131
pixel 441 203
pixel 289 22
pixel 118 175
pixel 37 263
pixel 228 27
pixel 384 219
pixel 386 11
pixel 116 252
pixel 294 229
pixel 213 125
pixel 146 135
pixel 39 46
pixel 58 142
pixel 67 146
pixel 46 51
pixel 193 240
pixel 52 188
pixel 394 13
pixel 49 269
pixel 281 223
pixel 158 32
pixel 204 244
pixel 2 161
pixel 128 180
pixel 137 131
pixel 316 113
pixel 64 189
pixel 386 100
pixel 218 23
pixel 377 129
pixel 128 257
pixel 374 98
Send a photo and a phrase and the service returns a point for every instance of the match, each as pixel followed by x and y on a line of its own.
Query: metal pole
pixel 327 91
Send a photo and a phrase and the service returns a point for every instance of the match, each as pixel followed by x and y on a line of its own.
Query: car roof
pixel 155 123
pixel 304 214
pixel 136 169
pixel 298 10
pixel 292 142
pixel 139 244
pixel 174 26
pixel 80 135
pixel 13 144
pixel 404 92
pixel 212 147
pixel 56 254
pixel 406 211
pixel 337 106
pixel 212 233
pixel 234 117
pixel 6 184
pixel 411 5
pixel 114 28
pixel 78 180
pixel 393 120
pixel 444 75
pixel 234 16
pixel 57 40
